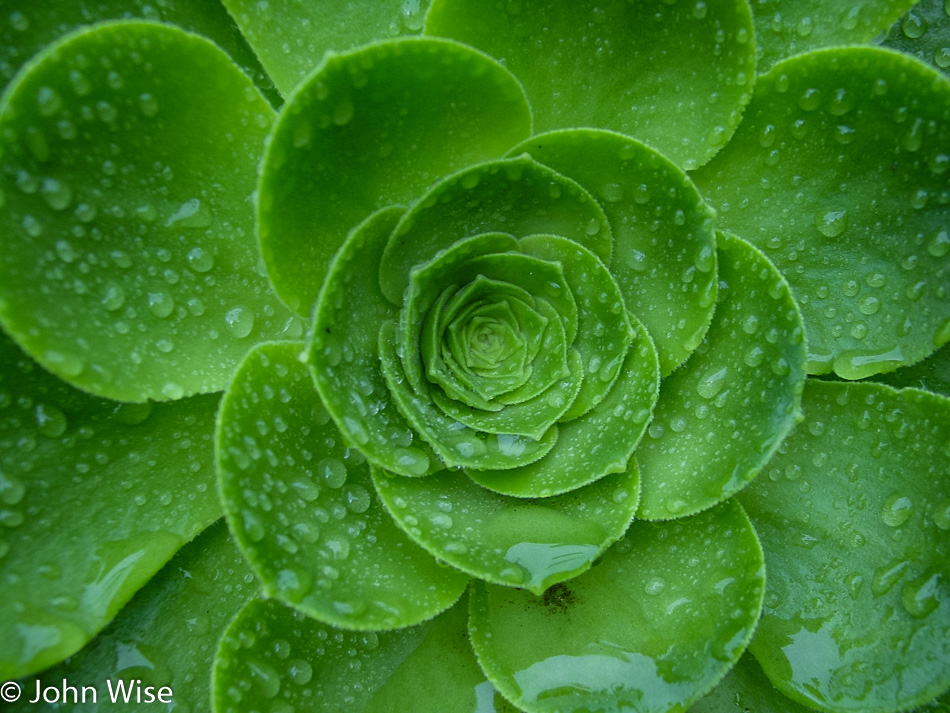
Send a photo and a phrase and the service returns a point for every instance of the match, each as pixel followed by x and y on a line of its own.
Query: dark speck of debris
pixel 558 598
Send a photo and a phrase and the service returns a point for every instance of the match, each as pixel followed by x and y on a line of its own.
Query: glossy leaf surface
pixel 343 354
pixel 609 64
pixel 303 510
pixel 291 37
pixel 722 415
pixel 839 174
pixel 165 637
pixel 924 31
pixel 516 196
pixel 858 559
pixel 783 29
pixel 745 689
pixel 28 26
pixel 95 497
pixel 530 544
pixel 128 263
pixel 275 656
pixel 660 619
pixel 664 256
pixel 373 128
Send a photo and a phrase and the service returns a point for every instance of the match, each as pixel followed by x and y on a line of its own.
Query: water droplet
pixel 343 113
pixel 200 260
pixel 333 472
pixel 913 26
pixel 148 104
pixel 161 304
pixel 897 510
pixel 51 421
pixel 240 321
pixel 831 223
pixel 712 383
pixel 922 596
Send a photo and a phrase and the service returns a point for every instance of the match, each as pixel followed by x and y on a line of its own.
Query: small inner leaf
pixel 664 244
pixel 457 444
pixel 660 619
pixel 302 508
pixel 875 550
pixel 517 543
pixel 347 320
pixel 600 442
pixel 517 196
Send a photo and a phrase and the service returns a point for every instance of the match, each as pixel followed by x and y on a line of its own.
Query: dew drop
pixel 240 321
pixel 831 223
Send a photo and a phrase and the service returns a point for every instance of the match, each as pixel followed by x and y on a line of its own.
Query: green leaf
pixel 858 558
pixel 745 689
pixel 600 442
pixel 347 321
pixel 517 196
pixel 302 509
pixel 838 174
pixel 651 628
pixel 291 37
pixel 604 330
pixel 128 263
pixel 783 29
pixel 30 26
pixel 165 637
pixel 95 497
pixel 924 31
pixel 373 128
pixel 932 374
pixel 517 543
pixel 722 415
pixel 660 224
pixel 275 657
pixel 676 75
pixel 458 445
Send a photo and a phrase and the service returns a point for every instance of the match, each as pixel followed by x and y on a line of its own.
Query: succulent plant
pixel 575 356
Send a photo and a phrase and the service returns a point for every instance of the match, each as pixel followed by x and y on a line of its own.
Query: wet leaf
pixel 275 655
pixel 373 128
pixel 857 558
pixel 291 37
pixel 664 256
pixel 783 29
pixel 303 510
pixel 165 637
pixel 128 261
pixel 28 26
pixel 723 414
pixel 531 544
pixel 95 496
pixel 673 75
pixel 652 627
pixel 838 174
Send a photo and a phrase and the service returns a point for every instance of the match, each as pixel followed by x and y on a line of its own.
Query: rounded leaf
pixel 531 544
pixel 858 558
pixel 127 265
pixel 674 75
pixel 347 321
pixel 274 656
pixel 722 415
pixel 839 174
pixel 161 639
pixel 660 619
pixel 371 128
pixel 516 196
pixel 664 257
pixel 302 507
pixel 95 497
